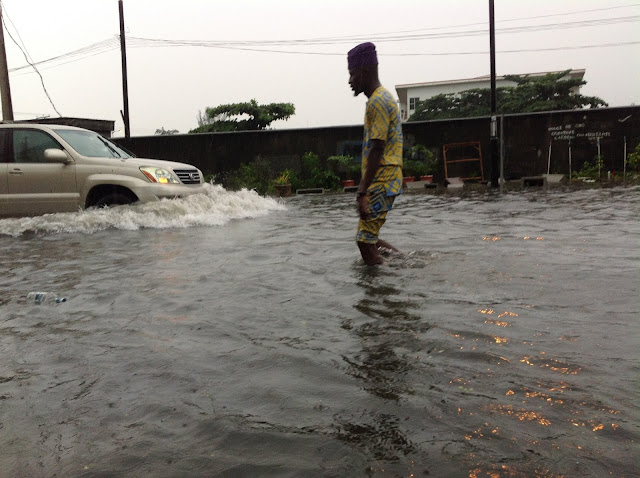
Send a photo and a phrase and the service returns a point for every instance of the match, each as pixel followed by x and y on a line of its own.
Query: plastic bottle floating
pixel 40 297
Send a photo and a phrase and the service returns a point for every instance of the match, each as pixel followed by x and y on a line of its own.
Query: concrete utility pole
pixel 5 88
pixel 125 89
pixel 495 173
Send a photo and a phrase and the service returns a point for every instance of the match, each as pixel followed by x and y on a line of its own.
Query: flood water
pixel 231 335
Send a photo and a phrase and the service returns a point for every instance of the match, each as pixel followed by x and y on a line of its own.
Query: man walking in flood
pixel 381 179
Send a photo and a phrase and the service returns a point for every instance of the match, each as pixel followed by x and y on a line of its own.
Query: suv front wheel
pixel 110 196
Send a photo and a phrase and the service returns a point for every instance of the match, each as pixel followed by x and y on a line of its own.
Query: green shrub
pixel 591 169
pixel 284 177
pixel 419 161
pixel 294 179
pixel 260 175
pixel 313 175
pixel 633 160
pixel 345 167
pixel 256 175
pixel 420 152
pixel 325 179
pixel 413 168
pixel 310 162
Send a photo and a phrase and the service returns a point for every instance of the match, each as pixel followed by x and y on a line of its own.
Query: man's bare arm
pixel 373 163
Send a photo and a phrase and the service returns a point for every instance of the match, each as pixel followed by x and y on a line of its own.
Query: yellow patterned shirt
pixel 382 121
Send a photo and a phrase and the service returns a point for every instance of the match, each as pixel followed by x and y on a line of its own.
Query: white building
pixel 410 94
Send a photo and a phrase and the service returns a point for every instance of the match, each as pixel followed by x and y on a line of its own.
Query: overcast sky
pixel 170 83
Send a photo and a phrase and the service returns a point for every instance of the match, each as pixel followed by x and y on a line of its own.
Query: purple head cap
pixel 362 55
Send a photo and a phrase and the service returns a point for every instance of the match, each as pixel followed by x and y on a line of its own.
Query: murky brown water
pixel 230 337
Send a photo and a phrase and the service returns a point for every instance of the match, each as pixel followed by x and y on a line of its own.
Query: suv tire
pixel 114 199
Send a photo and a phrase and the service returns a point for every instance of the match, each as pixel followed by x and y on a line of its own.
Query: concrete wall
pixel 526 139
pixel 220 152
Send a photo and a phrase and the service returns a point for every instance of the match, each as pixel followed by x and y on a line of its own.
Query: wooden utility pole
pixel 5 88
pixel 125 89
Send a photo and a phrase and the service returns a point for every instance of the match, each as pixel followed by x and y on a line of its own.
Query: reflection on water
pixel 234 335
pixel 389 335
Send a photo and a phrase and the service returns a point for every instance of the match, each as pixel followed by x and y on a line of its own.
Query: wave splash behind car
pixel 217 207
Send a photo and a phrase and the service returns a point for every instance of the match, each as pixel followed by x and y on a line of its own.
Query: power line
pixel 524 50
pixel 26 57
pixel 256 45
pixel 395 37
pixel 259 45
pixel 6 14
pixel 531 50
pixel 81 53
pixel 579 12
pixel 270 50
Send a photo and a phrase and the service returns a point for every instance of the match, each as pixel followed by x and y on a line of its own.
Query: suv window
pixel 91 144
pixel 29 146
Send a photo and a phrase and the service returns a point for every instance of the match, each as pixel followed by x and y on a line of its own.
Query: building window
pixel 413 103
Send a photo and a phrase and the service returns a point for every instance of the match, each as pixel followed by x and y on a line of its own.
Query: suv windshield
pixel 91 144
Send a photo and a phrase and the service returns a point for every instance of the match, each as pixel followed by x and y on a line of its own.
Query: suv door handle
pixel 16 171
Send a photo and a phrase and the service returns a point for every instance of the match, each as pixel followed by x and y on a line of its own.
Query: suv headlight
pixel 159 175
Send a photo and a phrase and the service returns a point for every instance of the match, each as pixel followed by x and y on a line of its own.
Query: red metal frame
pixel 474 144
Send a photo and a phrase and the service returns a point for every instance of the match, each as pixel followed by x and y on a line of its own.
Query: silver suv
pixel 50 168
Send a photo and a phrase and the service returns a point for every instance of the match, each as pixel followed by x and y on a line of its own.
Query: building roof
pixel 103 127
pixel 573 73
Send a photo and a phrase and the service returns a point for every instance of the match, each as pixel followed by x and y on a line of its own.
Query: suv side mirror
pixel 53 155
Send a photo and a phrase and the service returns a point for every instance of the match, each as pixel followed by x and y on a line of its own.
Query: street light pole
pixel 494 120
pixel 125 90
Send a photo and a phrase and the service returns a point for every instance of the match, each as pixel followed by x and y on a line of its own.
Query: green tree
pixel 242 116
pixel 545 93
